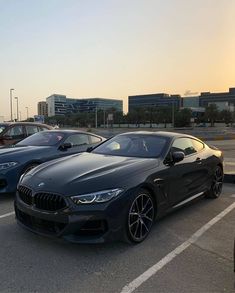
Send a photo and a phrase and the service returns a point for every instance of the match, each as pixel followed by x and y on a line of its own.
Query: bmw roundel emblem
pixel 41 184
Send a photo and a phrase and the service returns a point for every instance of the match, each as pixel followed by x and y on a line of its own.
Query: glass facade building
pixel 153 100
pixel 224 101
pixel 61 105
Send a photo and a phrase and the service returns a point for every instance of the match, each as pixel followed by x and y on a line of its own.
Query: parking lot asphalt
pixel 31 263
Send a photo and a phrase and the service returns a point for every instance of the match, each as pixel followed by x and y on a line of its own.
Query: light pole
pixel 96 117
pixel 27 108
pixel 11 90
pixel 173 114
pixel 17 108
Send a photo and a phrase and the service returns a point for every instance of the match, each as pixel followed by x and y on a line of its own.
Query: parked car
pixel 38 148
pixel 13 132
pixel 117 190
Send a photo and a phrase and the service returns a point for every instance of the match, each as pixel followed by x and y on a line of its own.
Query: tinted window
pixel 184 145
pixel 31 129
pixel 145 146
pixel 198 145
pixel 78 139
pixel 15 132
pixel 44 138
pixel 94 139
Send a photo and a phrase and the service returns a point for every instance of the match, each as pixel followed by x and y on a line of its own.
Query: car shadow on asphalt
pixel 5 198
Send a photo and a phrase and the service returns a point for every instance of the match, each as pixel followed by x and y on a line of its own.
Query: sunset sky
pixel 113 48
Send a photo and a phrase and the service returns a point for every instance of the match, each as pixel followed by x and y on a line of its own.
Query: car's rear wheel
pixel 217 183
pixel 140 216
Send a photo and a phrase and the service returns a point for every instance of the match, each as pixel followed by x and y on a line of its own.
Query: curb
pixel 229 178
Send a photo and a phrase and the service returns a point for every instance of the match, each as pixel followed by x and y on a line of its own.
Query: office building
pixel 224 101
pixel 61 105
pixel 153 100
pixel 42 109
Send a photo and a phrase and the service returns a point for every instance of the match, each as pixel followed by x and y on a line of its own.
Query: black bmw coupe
pixel 119 188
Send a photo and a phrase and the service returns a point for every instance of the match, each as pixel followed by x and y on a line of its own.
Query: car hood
pixel 86 172
pixel 21 149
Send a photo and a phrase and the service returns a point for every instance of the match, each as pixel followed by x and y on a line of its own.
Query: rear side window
pixel 31 129
pixel 198 145
pixel 94 139
pixel 78 139
pixel 184 145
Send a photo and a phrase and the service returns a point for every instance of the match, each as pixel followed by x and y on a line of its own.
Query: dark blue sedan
pixel 39 148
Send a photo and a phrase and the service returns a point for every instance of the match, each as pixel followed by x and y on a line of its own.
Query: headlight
pixel 7 165
pixel 96 197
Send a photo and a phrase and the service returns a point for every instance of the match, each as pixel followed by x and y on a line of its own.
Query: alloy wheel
pixel 217 182
pixel 141 217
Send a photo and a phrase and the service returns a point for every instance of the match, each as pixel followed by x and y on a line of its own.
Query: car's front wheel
pixel 140 216
pixel 217 183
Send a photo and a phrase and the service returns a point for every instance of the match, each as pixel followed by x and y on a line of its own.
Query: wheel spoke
pixel 148 210
pixel 146 217
pixel 145 226
pixel 141 229
pixel 135 222
pixel 145 205
pixel 136 229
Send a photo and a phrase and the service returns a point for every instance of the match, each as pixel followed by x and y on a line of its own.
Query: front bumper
pixel 8 181
pixel 96 223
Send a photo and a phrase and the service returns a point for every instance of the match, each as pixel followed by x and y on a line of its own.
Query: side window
pixel 94 139
pixel 78 139
pixel 16 132
pixel 198 145
pixel 31 129
pixel 184 145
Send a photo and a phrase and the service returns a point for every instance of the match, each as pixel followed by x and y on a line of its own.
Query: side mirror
pixel 177 157
pixel 89 149
pixel 65 146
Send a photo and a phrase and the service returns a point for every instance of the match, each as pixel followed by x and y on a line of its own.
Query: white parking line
pixel 169 257
pixel 7 215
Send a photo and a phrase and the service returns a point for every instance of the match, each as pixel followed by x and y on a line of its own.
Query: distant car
pixel 38 148
pixel 13 132
pixel 118 189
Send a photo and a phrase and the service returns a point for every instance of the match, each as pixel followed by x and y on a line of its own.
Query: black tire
pixel 217 183
pixel 140 217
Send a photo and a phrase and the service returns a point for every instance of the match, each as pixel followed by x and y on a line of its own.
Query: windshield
pixel 44 138
pixel 2 128
pixel 143 146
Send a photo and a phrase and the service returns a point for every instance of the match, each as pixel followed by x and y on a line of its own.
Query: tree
pixel 183 117
pixel 165 114
pixel 226 116
pixel 212 113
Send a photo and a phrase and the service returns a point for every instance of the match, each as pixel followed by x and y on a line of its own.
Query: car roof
pixel 168 134
pixel 24 123
pixel 59 130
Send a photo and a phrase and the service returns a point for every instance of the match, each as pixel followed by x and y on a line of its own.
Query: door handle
pixel 198 160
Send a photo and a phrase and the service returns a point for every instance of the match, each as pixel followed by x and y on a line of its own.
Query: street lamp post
pixel 27 108
pixel 96 117
pixel 17 108
pixel 11 90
